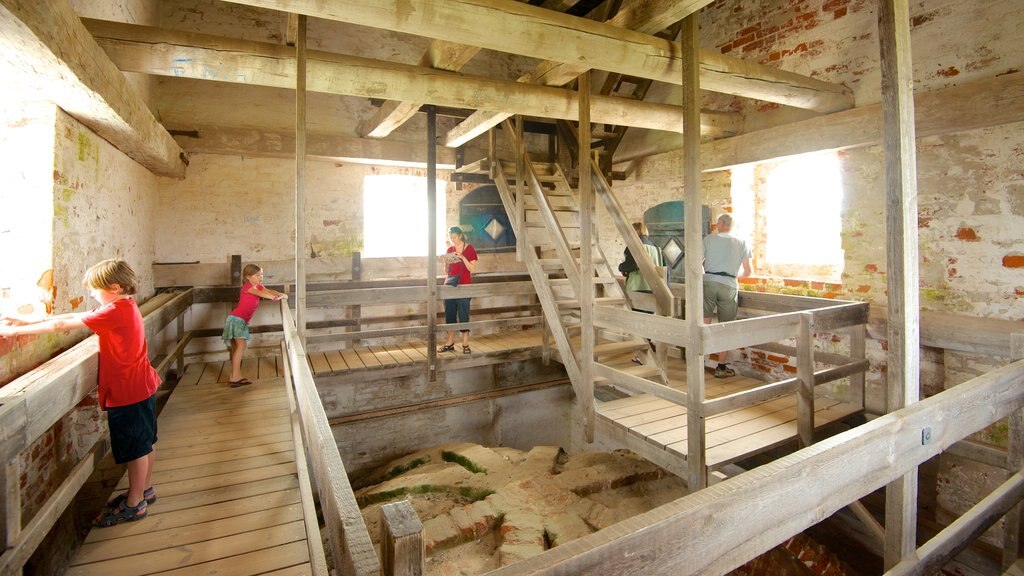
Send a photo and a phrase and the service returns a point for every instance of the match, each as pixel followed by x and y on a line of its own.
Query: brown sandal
pixel 465 349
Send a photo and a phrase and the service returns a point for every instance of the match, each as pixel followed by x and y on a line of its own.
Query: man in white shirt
pixel 724 255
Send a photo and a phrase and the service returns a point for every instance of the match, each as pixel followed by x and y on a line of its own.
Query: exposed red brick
pixel 967 234
pixel 743 40
pixel 1019 291
pixel 951 273
pixel 749 30
pixel 794 283
pixel 948 72
pixel 833 4
pixel 864 288
pixel 753 45
pixel 923 221
pixel 871 267
pixel 789 369
pixel 774 56
pixel 839 13
pixel 831 295
pixel 779 359
pixel 818 285
pixel 1013 261
pixel 727 48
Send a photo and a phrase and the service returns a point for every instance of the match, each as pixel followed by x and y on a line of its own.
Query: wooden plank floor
pixel 731 436
pixel 228 499
pixel 377 357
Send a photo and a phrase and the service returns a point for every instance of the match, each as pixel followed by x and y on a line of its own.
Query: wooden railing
pixel 32 404
pixel 745 516
pixel 351 549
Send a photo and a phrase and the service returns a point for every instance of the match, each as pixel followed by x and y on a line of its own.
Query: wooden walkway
pixel 228 495
pixel 731 436
pixel 493 346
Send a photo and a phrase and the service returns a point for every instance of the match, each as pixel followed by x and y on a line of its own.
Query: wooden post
pixel 520 215
pixel 1014 464
pixel 236 269
pixel 902 274
pixel 585 291
pixel 402 547
pixel 431 244
pixel 300 179
pixel 179 358
pixel 356 310
pixel 692 240
pixel 805 372
pixel 858 351
pixel 492 160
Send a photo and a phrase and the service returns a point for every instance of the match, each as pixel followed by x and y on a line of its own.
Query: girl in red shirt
pixel 236 328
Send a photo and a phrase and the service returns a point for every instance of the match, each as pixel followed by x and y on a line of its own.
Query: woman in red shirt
pixel 461 259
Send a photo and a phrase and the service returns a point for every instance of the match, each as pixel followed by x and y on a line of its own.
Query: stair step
pixel 596 280
pixel 641 370
pixel 615 348
pixel 604 301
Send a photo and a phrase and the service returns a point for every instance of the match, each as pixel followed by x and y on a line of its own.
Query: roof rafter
pixel 183 54
pixel 518 28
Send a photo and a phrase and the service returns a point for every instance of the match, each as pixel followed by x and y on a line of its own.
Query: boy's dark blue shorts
pixel 132 429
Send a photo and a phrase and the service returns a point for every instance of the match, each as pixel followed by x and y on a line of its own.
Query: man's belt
pixel 722 274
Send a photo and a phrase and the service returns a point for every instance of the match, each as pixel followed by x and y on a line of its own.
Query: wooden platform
pixel 492 348
pixel 228 496
pixel 731 436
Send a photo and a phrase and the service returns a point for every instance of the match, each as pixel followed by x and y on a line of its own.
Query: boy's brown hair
pixel 105 274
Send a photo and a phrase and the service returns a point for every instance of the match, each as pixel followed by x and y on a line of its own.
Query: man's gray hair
pixel 725 219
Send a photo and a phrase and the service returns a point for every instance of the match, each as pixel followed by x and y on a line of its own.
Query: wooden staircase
pixel 550 232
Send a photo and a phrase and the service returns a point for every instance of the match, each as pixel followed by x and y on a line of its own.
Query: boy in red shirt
pixel 127 381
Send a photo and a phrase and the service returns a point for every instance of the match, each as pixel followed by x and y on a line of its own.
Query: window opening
pixel 395 216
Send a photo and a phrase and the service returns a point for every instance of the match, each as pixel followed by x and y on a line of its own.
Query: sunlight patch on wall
pixel 26 220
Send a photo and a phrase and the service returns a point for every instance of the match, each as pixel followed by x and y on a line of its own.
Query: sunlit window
pixel 793 206
pixel 395 216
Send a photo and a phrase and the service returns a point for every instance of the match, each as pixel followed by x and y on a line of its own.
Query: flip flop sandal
pixel 446 348
pixel 466 350
pixel 237 383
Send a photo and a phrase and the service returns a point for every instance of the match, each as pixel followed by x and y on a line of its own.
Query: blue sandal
pixel 122 513
pixel 149 494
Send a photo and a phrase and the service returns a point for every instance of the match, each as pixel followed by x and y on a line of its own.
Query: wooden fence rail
pixel 738 519
pixel 351 548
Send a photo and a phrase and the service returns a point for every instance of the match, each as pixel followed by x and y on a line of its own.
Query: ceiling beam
pixel 518 28
pixel 281 144
pixel 45 42
pixel 184 54
pixel 982 104
pixel 646 16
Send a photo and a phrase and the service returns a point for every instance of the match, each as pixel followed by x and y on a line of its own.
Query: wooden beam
pixel 441 55
pixel 188 55
pixel 585 288
pixel 44 40
pixel 281 144
pixel 647 16
pixel 749 514
pixel 692 239
pixel 981 104
pixel 431 217
pixel 519 28
pixel 903 368
pixel 300 179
